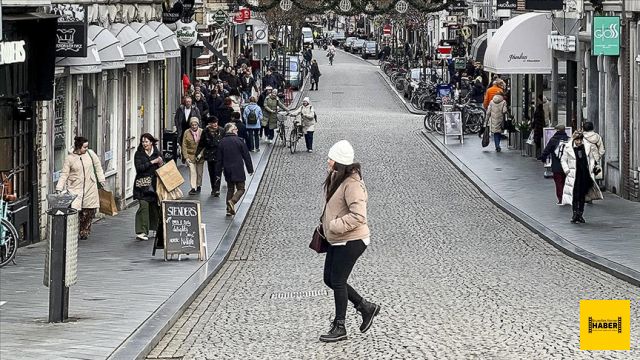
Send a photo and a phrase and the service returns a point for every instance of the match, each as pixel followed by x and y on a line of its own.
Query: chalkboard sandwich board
pixel 182 235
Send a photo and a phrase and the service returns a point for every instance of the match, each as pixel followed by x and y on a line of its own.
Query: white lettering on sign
pixel 182 211
pixel 12 52
pixel 604 33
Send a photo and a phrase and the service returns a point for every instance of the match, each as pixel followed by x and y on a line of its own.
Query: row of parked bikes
pixel 426 90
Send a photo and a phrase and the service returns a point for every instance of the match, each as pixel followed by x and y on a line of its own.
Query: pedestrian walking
pixel 498 87
pixel 345 226
pixel 190 142
pixel 207 151
pixel 233 156
pixel 82 175
pixel 538 124
pixel 269 80
pixel 236 100
pixel 200 102
pixel 580 185
pixel 224 112
pixel 181 119
pixel 495 116
pixel 248 84
pixel 597 148
pixel 147 160
pixel 270 111
pixel 215 102
pixel 253 118
pixel 555 149
pixel 236 119
pixel 309 118
pixel 477 91
pixel 315 74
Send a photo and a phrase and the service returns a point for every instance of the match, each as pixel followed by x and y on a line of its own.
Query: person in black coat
pixel 269 80
pixel 315 74
pixel 208 149
pixel 224 113
pixel 556 166
pixel 202 105
pixel 477 92
pixel 185 112
pixel 215 101
pixel 147 160
pixel 231 156
pixel 242 129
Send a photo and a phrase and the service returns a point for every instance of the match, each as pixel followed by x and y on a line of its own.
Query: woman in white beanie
pixel 308 121
pixel 345 226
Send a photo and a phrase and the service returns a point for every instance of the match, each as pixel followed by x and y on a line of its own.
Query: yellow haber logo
pixel 605 324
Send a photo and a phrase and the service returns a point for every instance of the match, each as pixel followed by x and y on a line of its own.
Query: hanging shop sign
pixel 219 18
pixel 186 34
pixel 544 4
pixel 605 36
pixel 460 63
pixel 243 15
pixel 444 52
pixel 507 4
pixel 71 33
pixel 174 10
pixel 387 30
pixel 12 52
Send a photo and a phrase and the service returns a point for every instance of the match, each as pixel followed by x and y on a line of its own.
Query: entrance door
pixel 130 130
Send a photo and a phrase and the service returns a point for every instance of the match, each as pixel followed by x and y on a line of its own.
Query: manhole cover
pixel 299 294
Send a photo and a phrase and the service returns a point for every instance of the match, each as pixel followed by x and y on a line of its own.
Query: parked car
pixel 356 46
pixel 293 75
pixel 338 38
pixel 414 76
pixel 370 48
pixel 347 43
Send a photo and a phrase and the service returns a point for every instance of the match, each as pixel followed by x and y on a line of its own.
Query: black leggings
pixel 337 267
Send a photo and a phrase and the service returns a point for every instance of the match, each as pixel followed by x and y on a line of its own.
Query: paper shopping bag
pixel 107 203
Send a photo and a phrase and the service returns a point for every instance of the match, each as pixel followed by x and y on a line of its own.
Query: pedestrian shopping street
pixel 456 277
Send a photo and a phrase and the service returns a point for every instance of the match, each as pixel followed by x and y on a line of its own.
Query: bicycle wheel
pixel 10 248
pixel 293 140
pixel 282 135
pixel 474 123
pixel 438 123
pixel 427 122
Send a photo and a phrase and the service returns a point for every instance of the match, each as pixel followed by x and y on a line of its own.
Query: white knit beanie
pixel 342 153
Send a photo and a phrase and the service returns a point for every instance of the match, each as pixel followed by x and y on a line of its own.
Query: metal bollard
pixel 61 261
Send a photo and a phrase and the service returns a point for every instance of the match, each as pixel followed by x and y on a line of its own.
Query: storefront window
pixel 59 126
pixel 89 119
pixel 108 125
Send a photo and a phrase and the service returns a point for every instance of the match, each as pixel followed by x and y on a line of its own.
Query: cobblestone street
pixel 456 277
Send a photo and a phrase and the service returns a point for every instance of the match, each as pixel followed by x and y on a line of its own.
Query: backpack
pixel 252 118
pixel 560 149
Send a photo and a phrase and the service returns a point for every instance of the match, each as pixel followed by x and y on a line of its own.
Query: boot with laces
pixel 368 311
pixel 338 332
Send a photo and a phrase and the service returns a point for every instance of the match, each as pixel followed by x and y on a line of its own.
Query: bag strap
pixel 95 172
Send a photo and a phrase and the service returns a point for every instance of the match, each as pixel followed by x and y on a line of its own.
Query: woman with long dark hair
pixel 147 160
pixel 345 226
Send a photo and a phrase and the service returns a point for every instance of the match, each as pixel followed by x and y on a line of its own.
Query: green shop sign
pixel 605 36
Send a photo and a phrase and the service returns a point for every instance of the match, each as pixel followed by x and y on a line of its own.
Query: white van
pixel 307 37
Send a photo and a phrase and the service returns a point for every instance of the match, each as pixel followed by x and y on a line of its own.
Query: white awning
pixel 86 65
pixel 167 38
pixel 151 41
pixel 479 47
pixel 131 42
pixel 519 46
pixel 108 46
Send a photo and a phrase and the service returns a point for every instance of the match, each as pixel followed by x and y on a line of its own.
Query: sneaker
pixel 368 311
pixel 142 236
pixel 338 332
pixel 229 214
pixel 193 192
pixel 231 207
pixel 309 150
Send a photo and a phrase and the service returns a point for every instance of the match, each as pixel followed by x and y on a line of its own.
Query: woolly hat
pixel 342 153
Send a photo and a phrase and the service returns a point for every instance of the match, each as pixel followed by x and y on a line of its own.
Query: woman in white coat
pixel 495 115
pixel 80 175
pixel 580 185
pixel 308 121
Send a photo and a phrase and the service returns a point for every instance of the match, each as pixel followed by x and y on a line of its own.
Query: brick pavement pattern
pixel 456 277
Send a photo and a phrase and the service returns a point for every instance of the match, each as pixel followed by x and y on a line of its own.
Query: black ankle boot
pixel 338 332
pixel 580 218
pixel 574 218
pixel 368 311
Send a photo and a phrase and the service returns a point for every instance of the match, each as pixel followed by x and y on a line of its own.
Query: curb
pixel 142 341
pixel 565 246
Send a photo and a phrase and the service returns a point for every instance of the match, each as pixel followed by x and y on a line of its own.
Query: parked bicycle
pixel 282 128
pixel 8 233
pixel 296 134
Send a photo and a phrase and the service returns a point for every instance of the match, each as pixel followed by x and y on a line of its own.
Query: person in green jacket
pixel 270 111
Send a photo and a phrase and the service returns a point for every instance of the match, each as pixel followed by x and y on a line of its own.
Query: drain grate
pixel 299 294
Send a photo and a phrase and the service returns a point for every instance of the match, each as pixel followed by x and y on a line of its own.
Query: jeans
pixel 337 267
pixel 270 133
pixel 496 139
pixel 214 177
pixel 235 190
pixel 308 139
pixel 147 217
pixel 253 137
pixel 246 95
pixel 558 178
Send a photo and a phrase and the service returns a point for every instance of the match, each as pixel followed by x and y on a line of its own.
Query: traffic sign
pixel 219 18
pixel 387 30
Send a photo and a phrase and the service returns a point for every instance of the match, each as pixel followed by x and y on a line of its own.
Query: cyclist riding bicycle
pixel 331 52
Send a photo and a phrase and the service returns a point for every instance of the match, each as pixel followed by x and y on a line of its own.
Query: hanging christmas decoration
pixel 369 7
pixel 345 5
pixel 402 6
pixel 286 5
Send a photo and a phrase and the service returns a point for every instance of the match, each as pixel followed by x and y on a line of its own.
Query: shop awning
pixel 132 45
pixel 86 65
pixel 519 46
pixel 108 46
pixel 479 47
pixel 151 41
pixel 167 38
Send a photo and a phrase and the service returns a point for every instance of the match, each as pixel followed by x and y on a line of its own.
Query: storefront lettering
pixel 604 33
pixel 522 56
pixel 12 52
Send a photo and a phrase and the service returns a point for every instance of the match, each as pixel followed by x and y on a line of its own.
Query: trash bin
pixel 61 257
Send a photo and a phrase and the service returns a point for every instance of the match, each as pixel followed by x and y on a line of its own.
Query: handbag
pixel 485 136
pixel 319 242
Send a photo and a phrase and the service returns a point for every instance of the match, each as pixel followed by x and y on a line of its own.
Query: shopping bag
pixel 170 176
pixel 485 136
pixel 530 140
pixel 107 203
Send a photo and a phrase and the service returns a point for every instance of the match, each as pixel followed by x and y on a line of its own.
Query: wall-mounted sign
pixel 565 43
pixel 605 36
pixel 12 52
pixel 186 34
pixel 507 4
pixel 243 15
pixel 174 10
pixel 544 4
pixel 71 33
pixel 219 18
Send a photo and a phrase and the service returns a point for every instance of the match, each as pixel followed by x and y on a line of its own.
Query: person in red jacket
pixel 186 84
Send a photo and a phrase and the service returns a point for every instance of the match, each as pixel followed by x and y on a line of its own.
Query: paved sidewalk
pixel 119 285
pixel 611 236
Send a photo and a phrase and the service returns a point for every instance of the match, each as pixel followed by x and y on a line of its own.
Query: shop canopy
pixel 167 38
pixel 108 46
pixel 519 46
pixel 132 45
pixel 479 47
pixel 151 41
pixel 83 65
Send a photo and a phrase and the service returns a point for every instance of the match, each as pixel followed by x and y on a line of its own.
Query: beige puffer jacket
pixel 495 113
pixel 79 178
